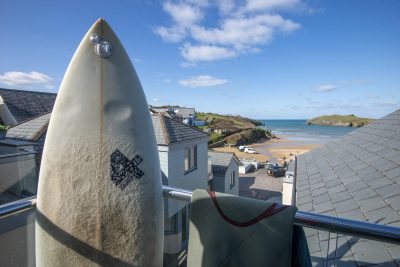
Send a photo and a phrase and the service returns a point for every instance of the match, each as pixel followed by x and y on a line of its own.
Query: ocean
pixel 298 130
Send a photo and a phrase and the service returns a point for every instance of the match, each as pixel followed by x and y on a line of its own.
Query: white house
pixel 183 160
pixel 225 168
pixel 184 164
pixel 182 151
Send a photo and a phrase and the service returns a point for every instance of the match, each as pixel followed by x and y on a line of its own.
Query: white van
pixel 250 150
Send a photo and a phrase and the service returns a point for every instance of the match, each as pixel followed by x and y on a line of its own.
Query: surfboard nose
pixel 101 37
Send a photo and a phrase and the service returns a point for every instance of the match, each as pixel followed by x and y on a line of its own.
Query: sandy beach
pixel 275 150
pixel 241 155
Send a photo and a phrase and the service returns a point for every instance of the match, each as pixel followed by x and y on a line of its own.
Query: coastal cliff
pixel 340 120
pixel 231 129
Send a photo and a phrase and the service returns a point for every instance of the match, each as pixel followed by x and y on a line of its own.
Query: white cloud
pixel 256 5
pixel 195 53
pixel 326 88
pixel 202 81
pixel 244 32
pixel 167 80
pixel 240 29
pixel 183 14
pixel 225 6
pixel 173 34
pixel 26 78
pixel 138 60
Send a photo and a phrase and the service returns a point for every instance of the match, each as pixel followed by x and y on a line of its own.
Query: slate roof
pixel 169 131
pixel 221 160
pixel 355 177
pixel 30 130
pixel 25 105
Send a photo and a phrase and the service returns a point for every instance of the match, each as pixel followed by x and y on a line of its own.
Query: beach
pixel 274 150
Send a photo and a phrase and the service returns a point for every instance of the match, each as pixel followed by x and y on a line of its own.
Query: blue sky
pixel 261 59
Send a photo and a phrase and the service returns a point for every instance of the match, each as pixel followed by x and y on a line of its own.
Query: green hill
pixel 230 129
pixel 340 120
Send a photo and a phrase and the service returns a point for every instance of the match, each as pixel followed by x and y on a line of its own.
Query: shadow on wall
pixel 245 190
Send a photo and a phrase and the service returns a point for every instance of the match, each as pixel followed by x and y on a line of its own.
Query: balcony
pixel 17 236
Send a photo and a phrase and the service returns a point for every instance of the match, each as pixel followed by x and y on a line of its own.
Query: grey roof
pixel 221 160
pixel 158 110
pixel 169 131
pixel 25 105
pixel 355 177
pixel 30 130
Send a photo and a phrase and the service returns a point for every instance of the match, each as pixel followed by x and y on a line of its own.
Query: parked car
pixel 278 171
pixel 241 148
pixel 250 150
pixel 269 166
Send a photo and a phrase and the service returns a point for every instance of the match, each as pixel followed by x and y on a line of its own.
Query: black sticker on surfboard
pixel 124 170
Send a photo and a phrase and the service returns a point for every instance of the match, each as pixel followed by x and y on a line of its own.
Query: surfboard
pixel 100 194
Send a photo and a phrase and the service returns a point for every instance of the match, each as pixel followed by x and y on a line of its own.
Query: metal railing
pixel 373 231
pixel 26 152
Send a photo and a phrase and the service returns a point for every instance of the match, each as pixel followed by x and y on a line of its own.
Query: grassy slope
pixel 340 119
pixel 239 128
pixel 226 122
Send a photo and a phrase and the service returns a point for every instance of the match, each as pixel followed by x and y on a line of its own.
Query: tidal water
pixel 298 130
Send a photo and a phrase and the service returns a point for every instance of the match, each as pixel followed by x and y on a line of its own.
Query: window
pixel 232 183
pixel 190 158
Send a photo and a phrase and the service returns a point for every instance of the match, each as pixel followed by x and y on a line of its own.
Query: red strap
pixel 271 210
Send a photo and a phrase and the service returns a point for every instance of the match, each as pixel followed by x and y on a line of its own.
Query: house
pixel 168 111
pixel 183 160
pixel 225 168
pixel 184 115
pixel 199 123
pixel 17 106
pixel 184 164
pixel 355 177
pixel 221 131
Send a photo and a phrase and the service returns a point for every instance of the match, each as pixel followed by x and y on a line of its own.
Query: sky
pixel 264 59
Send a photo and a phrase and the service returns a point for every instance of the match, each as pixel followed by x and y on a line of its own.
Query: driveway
pixel 260 186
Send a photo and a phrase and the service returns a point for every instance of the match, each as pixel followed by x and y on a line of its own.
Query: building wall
pixel 222 180
pixel 172 165
pixel 218 182
pixel 233 167
pixel 197 178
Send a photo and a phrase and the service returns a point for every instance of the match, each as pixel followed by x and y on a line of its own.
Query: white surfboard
pixel 100 194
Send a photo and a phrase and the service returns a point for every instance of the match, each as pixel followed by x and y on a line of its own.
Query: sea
pixel 298 130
